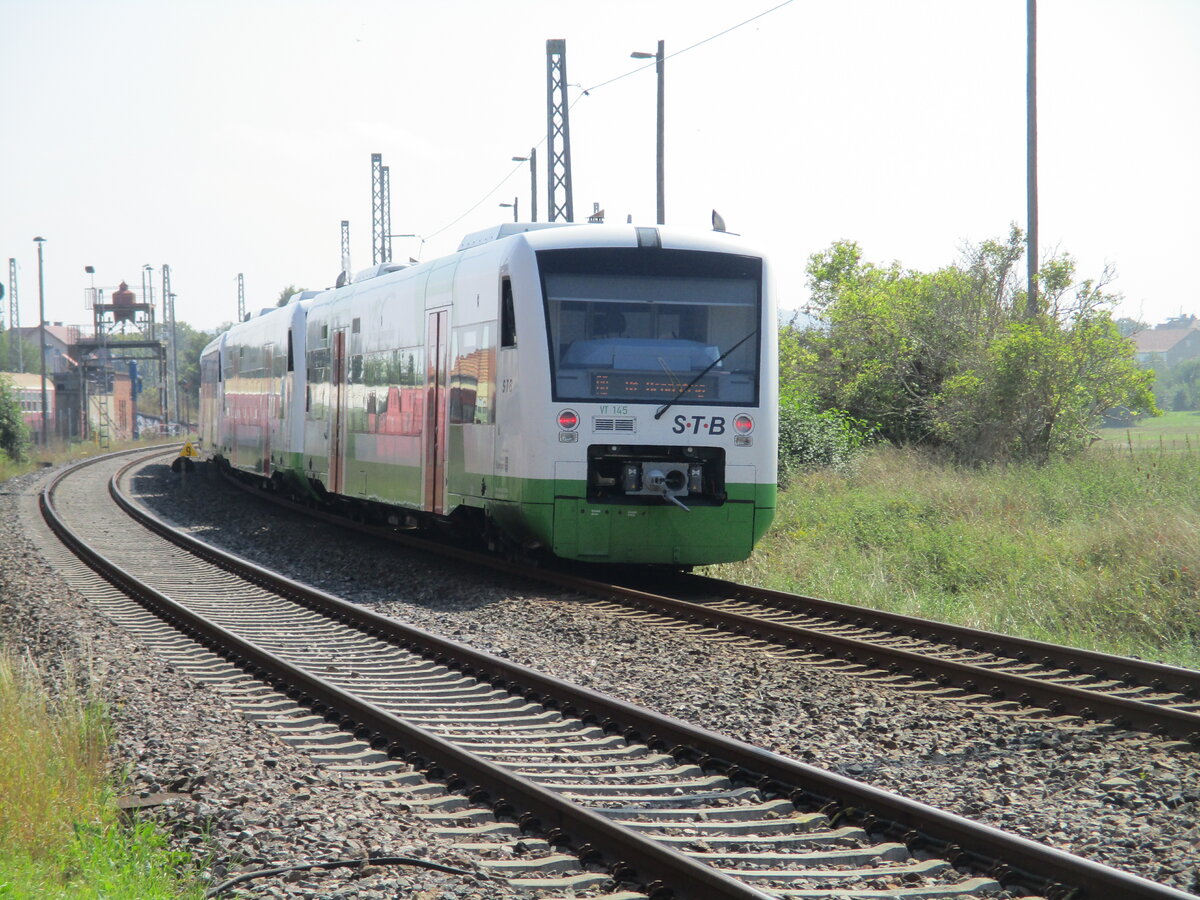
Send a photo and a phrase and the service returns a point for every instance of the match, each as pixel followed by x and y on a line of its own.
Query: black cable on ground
pixel 337 864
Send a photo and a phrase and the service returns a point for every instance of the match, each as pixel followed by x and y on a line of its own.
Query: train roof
pixel 563 235
pixel 496 232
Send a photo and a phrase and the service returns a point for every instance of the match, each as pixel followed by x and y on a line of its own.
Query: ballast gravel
pixel 1119 799
pixel 240 799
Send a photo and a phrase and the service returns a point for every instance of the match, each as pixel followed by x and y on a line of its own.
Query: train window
pixel 472 375
pixel 508 315
pixel 635 326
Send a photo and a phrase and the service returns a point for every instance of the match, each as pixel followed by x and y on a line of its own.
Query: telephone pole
pixel 1031 246
pixel 14 317
pixel 42 336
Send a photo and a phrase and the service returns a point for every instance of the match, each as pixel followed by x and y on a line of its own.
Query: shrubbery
pixel 809 439
pixel 14 436
pixel 957 360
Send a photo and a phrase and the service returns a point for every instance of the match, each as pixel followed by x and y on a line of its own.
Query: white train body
pixel 608 393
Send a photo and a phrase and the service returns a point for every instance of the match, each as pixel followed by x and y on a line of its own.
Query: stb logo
pixel 699 424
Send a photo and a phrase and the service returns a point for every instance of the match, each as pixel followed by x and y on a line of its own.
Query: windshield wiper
pixel 712 365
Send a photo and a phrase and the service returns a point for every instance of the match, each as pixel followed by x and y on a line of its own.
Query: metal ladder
pixel 104 426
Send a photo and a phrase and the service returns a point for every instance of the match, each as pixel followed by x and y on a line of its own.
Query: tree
pixel 951 360
pixel 1128 327
pixel 1178 386
pixel 9 353
pixel 14 436
pixel 286 294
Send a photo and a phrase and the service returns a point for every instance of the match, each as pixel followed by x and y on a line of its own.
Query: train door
pixel 337 415
pixel 265 405
pixel 437 354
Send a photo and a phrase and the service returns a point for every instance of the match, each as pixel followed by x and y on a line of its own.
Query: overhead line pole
pixel 558 134
pixel 1031 247
pixel 42 336
pixel 14 316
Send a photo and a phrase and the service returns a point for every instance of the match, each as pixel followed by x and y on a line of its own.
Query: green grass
pixel 60 835
pixel 59 452
pixel 1170 432
pixel 1102 551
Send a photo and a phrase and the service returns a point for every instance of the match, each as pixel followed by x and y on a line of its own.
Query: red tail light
pixel 568 420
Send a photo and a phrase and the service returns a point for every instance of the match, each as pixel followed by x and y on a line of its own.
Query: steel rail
pixel 1132 671
pixel 1006 857
pixel 1059 699
pixel 658 869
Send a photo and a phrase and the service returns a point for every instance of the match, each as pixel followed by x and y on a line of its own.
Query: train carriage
pixel 252 393
pixel 605 393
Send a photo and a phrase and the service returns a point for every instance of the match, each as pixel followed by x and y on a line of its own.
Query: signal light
pixel 568 420
pixel 743 424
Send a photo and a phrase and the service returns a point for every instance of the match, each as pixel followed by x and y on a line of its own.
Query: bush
pixel 809 439
pixel 958 360
pixel 14 436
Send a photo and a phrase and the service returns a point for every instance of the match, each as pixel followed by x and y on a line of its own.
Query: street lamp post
pixel 514 208
pixel 658 68
pixel 148 294
pixel 42 339
pixel 532 159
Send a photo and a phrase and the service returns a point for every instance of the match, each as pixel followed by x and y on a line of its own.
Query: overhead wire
pixel 585 92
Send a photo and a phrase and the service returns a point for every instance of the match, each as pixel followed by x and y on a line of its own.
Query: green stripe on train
pixel 556 514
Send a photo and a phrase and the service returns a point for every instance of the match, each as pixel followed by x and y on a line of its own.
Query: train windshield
pixel 651 325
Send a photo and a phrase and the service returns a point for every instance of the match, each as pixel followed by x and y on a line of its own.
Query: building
pixel 59 339
pixel 1165 345
pixel 28 388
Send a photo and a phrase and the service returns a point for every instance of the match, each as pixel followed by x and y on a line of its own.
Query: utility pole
pixel 42 339
pixel 386 253
pixel 1031 247
pixel 241 297
pixel 532 160
pixel 14 316
pixel 659 59
pixel 559 197
pixel 174 362
pixel 659 67
pixel 148 295
pixel 168 326
pixel 381 211
pixel 345 279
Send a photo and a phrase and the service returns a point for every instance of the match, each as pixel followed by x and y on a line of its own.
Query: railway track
pixel 582 782
pixel 1000 671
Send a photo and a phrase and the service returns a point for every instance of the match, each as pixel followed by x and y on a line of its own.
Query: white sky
pixel 230 136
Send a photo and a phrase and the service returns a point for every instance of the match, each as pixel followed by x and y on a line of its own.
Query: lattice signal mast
pixel 381 211
pixel 241 297
pixel 14 318
pixel 386 255
pixel 345 276
pixel 558 133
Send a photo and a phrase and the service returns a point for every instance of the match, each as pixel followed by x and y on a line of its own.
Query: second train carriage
pixel 607 393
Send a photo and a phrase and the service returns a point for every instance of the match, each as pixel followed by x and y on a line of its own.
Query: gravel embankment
pixel 252 801
pixel 1116 799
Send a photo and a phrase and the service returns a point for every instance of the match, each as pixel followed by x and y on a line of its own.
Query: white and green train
pixel 600 392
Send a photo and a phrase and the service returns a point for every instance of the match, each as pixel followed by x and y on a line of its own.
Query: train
pixel 601 393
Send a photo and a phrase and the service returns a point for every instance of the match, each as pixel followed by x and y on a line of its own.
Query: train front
pixel 664 394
